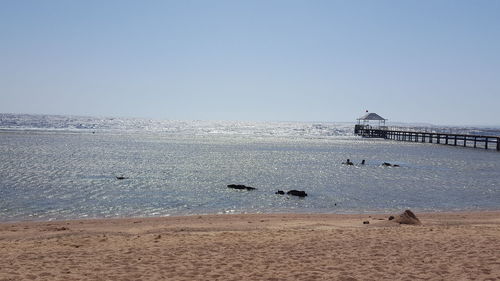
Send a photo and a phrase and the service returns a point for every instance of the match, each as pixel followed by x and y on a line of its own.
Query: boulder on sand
pixel 241 186
pixel 407 217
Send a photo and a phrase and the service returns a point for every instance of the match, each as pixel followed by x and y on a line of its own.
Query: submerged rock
pixel 241 186
pixel 299 193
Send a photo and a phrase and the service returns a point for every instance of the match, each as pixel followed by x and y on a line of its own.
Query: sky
pixel 410 61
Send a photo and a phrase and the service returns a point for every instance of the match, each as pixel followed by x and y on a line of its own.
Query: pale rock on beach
pixel 446 246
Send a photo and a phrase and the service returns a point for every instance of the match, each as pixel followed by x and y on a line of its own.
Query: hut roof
pixel 372 116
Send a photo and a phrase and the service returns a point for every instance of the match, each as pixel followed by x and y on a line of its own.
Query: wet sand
pixel 447 246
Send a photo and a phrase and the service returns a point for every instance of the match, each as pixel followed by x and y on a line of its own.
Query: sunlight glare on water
pixel 63 173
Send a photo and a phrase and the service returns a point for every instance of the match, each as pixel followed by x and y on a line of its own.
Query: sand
pixel 447 246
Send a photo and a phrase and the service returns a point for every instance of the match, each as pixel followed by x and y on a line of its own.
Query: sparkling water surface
pixel 59 170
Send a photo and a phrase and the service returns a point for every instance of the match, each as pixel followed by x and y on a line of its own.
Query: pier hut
pixel 365 119
pixel 370 125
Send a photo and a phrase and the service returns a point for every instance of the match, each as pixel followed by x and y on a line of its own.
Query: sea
pixel 66 167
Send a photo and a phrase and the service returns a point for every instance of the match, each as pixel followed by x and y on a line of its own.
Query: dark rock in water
pixel 407 217
pixel 241 186
pixel 348 162
pixel 366 222
pixel 280 192
pixel 386 164
pixel 299 193
pixel 121 178
pixel 391 218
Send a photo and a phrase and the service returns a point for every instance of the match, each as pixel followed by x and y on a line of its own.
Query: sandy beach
pixel 447 246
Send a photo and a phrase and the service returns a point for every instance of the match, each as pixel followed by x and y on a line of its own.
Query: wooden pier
pixel 474 141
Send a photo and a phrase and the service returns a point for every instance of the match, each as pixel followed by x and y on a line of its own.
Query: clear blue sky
pixel 410 61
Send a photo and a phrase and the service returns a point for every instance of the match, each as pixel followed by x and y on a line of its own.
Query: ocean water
pixel 65 167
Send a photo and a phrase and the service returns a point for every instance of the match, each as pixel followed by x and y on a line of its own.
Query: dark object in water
pixel 385 164
pixel 366 222
pixel 299 193
pixel 363 162
pixel 121 178
pixel 281 192
pixel 348 162
pixel 241 186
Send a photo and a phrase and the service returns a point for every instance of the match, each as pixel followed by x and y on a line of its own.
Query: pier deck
pixel 465 140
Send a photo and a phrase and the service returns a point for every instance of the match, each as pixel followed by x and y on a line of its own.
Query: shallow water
pixel 64 174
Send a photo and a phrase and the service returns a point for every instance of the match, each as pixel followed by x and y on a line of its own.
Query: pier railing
pixel 465 140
